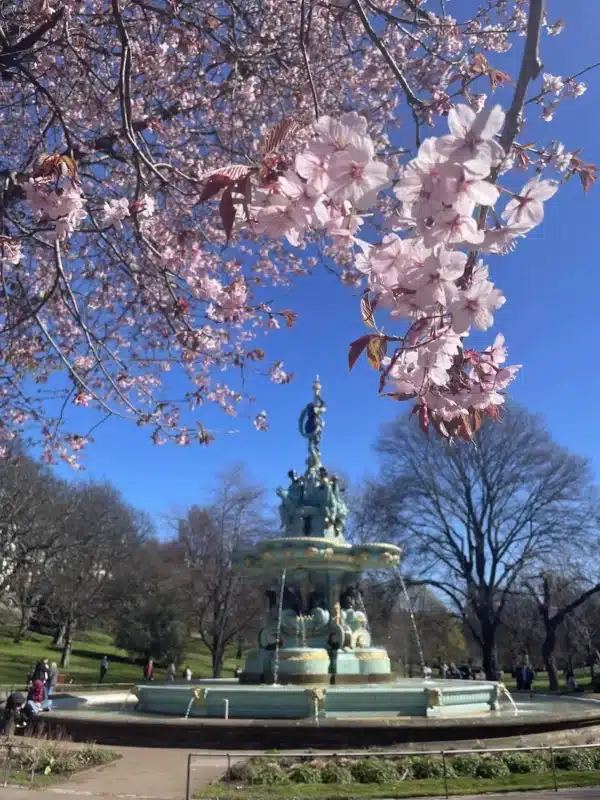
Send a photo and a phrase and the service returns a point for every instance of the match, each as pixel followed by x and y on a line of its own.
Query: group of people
pixel 21 707
pixel 465 672
pixel 170 673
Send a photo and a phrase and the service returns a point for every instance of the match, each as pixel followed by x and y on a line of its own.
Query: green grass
pixel 40 765
pixel 16 660
pixel 409 788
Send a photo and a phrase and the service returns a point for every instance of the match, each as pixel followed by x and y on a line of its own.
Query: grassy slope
pixel 16 660
pixel 409 788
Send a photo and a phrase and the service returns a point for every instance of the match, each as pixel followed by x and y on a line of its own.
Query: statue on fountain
pixel 313 504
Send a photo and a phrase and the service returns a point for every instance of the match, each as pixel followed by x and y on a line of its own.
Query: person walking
pixel 171 672
pixel 41 671
pixel 187 674
pixel 51 681
pixel 149 670
pixel 103 668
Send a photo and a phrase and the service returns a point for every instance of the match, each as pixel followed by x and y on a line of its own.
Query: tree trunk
pixel 548 648
pixel 488 652
pixel 68 643
pixel 26 614
pixel 217 659
pixel 59 634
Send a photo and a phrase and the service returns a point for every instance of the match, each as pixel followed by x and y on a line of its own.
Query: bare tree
pixel 474 517
pixel 558 597
pixel 225 600
pixel 100 540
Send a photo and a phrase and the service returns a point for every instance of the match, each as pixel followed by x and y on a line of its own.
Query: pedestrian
pixel 237 672
pixel 426 672
pixel 52 681
pixel 41 671
pixel 444 670
pixel 13 713
pixel 527 676
pixel 149 670
pixel 572 685
pixel 187 674
pixel 103 668
pixel 171 672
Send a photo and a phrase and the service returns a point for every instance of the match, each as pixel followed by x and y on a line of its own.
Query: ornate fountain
pixel 316 629
pixel 315 658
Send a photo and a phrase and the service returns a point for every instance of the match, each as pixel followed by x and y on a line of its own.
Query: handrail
pixel 444 754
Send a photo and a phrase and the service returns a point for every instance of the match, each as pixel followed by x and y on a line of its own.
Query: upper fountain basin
pixel 305 552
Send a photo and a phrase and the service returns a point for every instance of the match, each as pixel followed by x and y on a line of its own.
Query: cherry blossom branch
pixel 531 66
pixel 412 99
pixel 303 36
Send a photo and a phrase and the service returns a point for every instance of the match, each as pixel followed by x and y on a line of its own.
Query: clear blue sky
pixel 552 285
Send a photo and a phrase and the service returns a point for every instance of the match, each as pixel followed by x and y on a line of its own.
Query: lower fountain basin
pixel 408 698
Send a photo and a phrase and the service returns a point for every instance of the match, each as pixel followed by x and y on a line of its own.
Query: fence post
pixel 7 764
pixel 187 777
pixel 445 773
pixel 553 769
pixel 229 769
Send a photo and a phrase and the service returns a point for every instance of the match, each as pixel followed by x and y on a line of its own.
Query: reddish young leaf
pixel 213 186
pixel 366 310
pixel 376 350
pixel 227 211
pixel 356 349
pixel 284 129
pixel 232 171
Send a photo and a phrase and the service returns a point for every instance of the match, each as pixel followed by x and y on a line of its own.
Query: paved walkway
pixel 141 772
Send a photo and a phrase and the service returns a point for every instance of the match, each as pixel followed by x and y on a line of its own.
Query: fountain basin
pixel 399 699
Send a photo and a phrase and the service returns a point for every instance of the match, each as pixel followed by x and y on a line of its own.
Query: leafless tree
pixel 557 598
pixel 474 517
pixel 225 599
pixel 100 541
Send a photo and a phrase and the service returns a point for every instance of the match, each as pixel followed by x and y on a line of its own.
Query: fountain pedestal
pixel 316 628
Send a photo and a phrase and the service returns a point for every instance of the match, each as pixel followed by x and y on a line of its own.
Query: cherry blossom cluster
pixel 119 271
pixel 429 272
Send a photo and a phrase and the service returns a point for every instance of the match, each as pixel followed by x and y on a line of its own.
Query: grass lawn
pixel 16 660
pixel 409 788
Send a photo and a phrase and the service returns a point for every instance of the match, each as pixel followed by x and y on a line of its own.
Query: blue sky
pixel 550 320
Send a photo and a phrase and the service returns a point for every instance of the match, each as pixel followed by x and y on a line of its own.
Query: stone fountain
pixel 316 629
pixel 315 658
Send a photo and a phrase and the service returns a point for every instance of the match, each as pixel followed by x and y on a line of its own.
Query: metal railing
pixel 445 755
pixel 7 751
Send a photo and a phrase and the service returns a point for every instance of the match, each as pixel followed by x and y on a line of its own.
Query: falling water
pixel 189 706
pixel 302 624
pixel 361 607
pixel 414 623
pixel 278 635
pixel 298 630
pixel 511 701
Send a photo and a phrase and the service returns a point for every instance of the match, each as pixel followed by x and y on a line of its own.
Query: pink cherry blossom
pixel 353 173
pixel 472 135
pixel 475 306
pixel 115 211
pixel 526 209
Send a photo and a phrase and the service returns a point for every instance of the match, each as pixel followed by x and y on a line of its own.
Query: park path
pixel 143 773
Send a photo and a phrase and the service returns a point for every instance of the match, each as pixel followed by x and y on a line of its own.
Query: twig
pixel 411 98
pixel 531 66
pixel 313 89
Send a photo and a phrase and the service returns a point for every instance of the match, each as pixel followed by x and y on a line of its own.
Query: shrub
pixel 48 759
pixel 427 767
pixel 303 773
pixel 519 763
pixel 491 767
pixel 579 760
pixel 374 770
pixel 465 766
pixel 333 772
pixel 266 773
